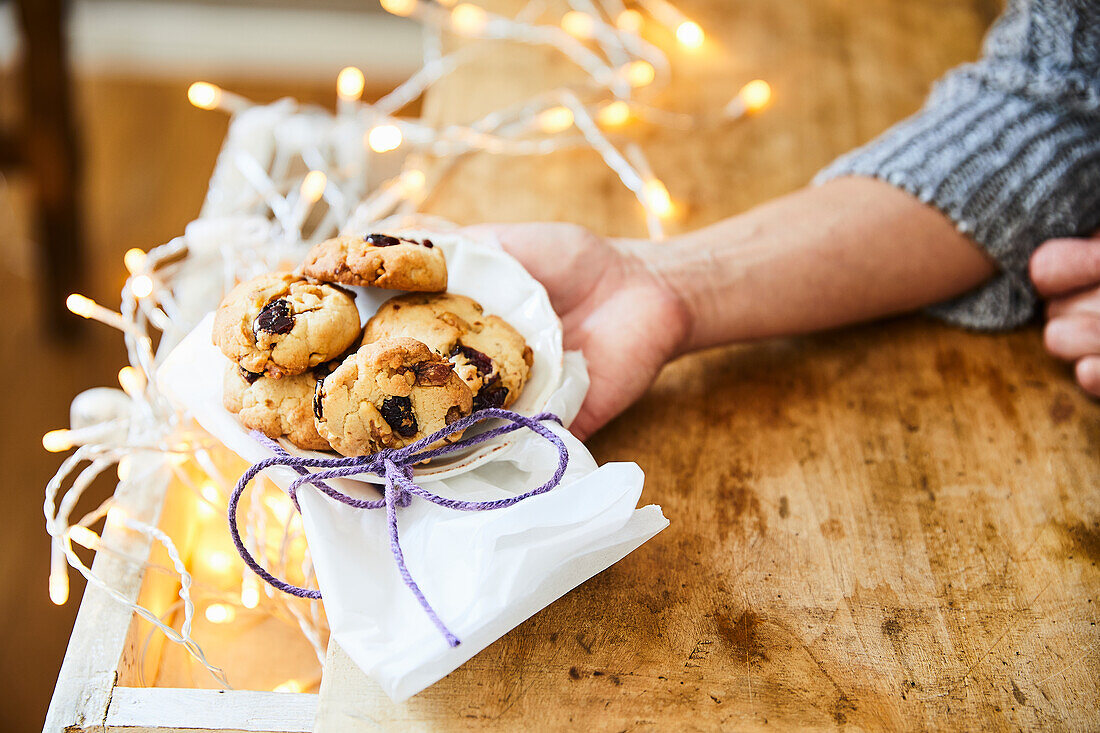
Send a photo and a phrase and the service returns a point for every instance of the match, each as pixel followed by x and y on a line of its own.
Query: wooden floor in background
pixel 148 157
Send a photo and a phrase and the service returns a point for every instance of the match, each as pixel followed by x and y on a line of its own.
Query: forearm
pixel 851 250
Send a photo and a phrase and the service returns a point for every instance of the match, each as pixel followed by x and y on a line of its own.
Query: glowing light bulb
pixel 404 8
pixel 639 73
pixel 689 34
pixel 133 381
pixel 141 286
pixel 125 466
pixel 83 536
pixel 469 19
pixel 219 562
pixel 59 588
pixel 289 686
pixel 755 96
pixel 630 21
pixel 204 95
pixel 313 186
pixel 57 441
pixel 413 180
pixel 613 114
pixel 211 494
pixel 250 593
pixel 555 119
pixel 134 259
pixel 350 83
pixel 657 197
pixel 80 305
pixel 578 24
pixel 384 138
pixel 220 613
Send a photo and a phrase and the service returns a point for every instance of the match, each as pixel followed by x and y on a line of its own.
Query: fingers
pixel 1086 302
pixel 1088 374
pixel 1073 336
pixel 1062 266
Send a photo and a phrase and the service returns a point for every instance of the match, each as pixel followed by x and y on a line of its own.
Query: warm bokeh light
pixel 384 138
pixel 413 180
pixel 57 441
pixel 657 198
pixel 220 613
pixel 141 286
pixel 211 494
pixel 469 19
pixel 59 588
pixel 219 562
pixel 578 24
pixel 630 21
pixel 613 114
pixel 132 381
pixel 134 259
pixel 289 686
pixel 250 593
pixel 124 467
pixel 204 95
pixel 403 8
pixel 756 95
pixel 689 34
pixel 313 185
pixel 81 305
pixel 350 83
pixel 83 536
pixel 639 73
pixel 555 119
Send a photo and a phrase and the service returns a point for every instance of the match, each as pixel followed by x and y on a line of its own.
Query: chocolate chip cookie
pixel 379 260
pixel 278 408
pixel 281 324
pixel 489 355
pixel 388 394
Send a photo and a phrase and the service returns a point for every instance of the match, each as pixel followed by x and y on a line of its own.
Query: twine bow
pixel 395 465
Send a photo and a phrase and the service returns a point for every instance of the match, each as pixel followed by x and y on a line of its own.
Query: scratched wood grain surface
pixel 895 526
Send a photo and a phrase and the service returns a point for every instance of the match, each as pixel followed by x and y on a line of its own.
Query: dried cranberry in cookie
pixel 486 352
pixel 281 324
pixel 379 260
pixel 388 394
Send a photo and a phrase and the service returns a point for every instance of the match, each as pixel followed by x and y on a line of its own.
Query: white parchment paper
pixel 483 572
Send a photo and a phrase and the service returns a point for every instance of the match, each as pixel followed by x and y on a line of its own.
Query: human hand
pixel 614 308
pixel 1067 273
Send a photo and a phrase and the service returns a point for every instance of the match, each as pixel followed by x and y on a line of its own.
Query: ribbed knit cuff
pixel 1008 172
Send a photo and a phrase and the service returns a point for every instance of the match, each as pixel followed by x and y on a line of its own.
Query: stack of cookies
pixel 304 368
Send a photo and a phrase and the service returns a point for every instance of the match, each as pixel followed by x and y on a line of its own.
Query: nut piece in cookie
pixel 281 324
pixel 489 355
pixel 278 408
pixel 380 261
pixel 386 395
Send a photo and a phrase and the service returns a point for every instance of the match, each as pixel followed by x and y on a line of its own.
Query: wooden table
pixel 893 526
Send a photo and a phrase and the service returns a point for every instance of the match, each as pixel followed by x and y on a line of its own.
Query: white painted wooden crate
pixel 97 686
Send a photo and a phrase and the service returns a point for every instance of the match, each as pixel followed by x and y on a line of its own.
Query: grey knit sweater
pixel 1007 147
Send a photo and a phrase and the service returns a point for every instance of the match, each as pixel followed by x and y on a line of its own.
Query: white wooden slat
pixel 168 708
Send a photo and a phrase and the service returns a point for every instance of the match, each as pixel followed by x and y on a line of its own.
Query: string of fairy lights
pixel 290 175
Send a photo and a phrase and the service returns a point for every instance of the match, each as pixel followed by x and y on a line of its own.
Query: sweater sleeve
pixel 1008 148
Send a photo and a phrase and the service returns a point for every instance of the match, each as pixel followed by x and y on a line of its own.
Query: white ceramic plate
pixel 192 374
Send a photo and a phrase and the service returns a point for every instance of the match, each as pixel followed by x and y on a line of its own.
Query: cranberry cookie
pixel 380 261
pixel 278 408
pixel 388 394
pixel 489 355
pixel 281 324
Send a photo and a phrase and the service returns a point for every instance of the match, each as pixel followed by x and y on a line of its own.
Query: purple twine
pixel 395 466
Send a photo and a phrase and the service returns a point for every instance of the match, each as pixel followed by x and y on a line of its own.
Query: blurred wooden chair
pixel 44 147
